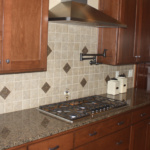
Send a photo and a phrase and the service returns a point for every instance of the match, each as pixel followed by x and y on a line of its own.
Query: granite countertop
pixel 28 125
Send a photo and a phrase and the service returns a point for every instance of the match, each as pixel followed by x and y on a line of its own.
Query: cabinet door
pixel 1 29
pixel 25 35
pixel 108 37
pixel 126 36
pixel 148 137
pixel 138 136
pixel 142 46
pixel 118 41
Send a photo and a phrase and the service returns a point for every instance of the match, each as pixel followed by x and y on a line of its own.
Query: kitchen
pixel 24 91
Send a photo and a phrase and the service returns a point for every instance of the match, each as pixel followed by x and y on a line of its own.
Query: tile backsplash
pixel 64 71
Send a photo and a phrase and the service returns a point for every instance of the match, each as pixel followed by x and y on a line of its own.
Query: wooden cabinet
pixel 23 148
pixel 25 35
pixel 139 136
pixel 98 130
pixel 118 41
pixel 142 46
pixel 1 28
pixel 140 114
pixel 116 141
pixel 148 136
pixel 140 132
pixel 64 142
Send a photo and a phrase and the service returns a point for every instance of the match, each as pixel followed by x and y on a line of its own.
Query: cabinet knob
pixel 120 123
pixel 144 114
pixel 119 143
pixel 92 134
pixel 7 61
pixel 54 148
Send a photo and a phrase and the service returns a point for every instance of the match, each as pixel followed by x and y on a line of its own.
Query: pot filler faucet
pixel 93 59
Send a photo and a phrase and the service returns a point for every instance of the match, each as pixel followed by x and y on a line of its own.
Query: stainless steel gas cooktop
pixel 75 109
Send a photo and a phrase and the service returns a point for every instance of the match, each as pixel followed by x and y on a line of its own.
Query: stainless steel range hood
pixel 77 12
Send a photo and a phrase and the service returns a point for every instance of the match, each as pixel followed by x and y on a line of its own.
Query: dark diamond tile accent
pixel 85 50
pixel 4 92
pixel 107 78
pixel 5 132
pixel 46 87
pixel 83 82
pixel 45 122
pixel 48 50
pixel 67 68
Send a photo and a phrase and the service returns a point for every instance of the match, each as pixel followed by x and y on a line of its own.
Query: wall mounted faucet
pixel 93 59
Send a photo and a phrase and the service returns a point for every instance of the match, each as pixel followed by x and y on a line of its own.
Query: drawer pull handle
pixel 7 61
pixel 120 123
pixel 144 114
pixel 119 143
pixel 92 134
pixel 54 148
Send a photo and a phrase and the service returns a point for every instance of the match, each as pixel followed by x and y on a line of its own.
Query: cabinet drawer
pixel 116 141
pixel 140 114
pixel 64 142
pixel 23 148
pixel 98 130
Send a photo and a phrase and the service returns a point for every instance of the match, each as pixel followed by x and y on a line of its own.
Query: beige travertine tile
pixel 26 104
pixel 18 96
pixel 26 94
pixel 8 107
pixel 17 106
pixel 1 108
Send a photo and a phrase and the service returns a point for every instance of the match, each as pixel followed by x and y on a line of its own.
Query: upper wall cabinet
pixel 1 26
pixel 118 41
pixel 25 29
pixel 142 44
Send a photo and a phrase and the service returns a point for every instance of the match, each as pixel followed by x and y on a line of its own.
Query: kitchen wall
pixel 64 70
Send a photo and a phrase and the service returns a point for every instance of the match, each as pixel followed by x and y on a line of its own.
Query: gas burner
pixel 76 109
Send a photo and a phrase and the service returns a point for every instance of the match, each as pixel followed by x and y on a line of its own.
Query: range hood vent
pixel 77 12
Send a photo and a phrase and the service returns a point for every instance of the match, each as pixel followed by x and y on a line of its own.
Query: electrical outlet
pixel 117 74
pixel 130 73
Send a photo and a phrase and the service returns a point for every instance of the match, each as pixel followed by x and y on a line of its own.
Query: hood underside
pixel 71 12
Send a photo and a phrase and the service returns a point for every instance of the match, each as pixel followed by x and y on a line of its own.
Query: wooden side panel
pixel 116 141
pixel 25 35
pixel 108 37
pixel 126 36
pixel 138 136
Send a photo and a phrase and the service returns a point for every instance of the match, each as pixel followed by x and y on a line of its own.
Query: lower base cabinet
pixel 117 141
pixel 148 137
pixel 139 136
pixel 64 142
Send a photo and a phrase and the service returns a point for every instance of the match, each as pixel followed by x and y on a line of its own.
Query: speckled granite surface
pixel 28 125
